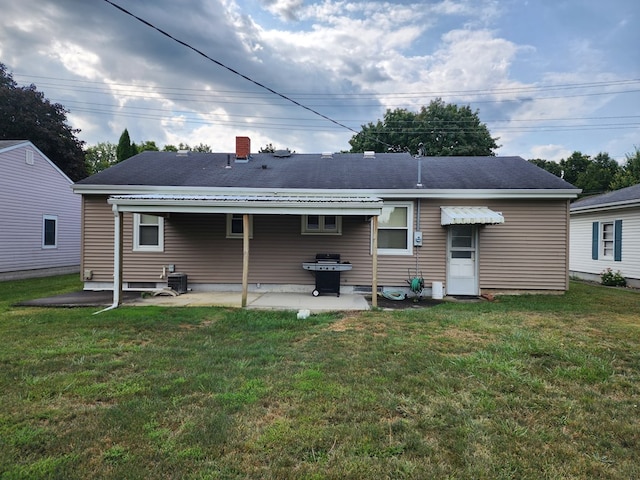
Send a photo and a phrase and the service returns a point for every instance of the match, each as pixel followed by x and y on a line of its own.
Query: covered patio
pixel 245 205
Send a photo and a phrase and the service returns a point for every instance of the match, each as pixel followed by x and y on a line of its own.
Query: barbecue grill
pixel 327 268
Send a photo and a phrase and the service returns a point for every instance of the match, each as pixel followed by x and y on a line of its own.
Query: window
pixel 321 225
pixel 148 233
pixel 234 225
pixel 49 231
pixel 394 229
pixel 606 240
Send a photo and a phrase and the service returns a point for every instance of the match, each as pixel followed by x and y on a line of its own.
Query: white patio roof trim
pixel 249 204
pixel 469 215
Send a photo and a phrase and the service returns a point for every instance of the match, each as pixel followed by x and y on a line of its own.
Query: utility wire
pixel 235 72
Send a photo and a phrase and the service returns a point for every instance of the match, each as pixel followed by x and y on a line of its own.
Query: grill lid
pixel 328 257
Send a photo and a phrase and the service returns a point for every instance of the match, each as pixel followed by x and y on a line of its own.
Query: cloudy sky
pixel 547 76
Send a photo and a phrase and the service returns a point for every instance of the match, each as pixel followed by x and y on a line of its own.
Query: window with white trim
pixel 148 233
pixel 235 224
pixel 607 239
pixel 395 229
pixel 49 231
pixel 321 225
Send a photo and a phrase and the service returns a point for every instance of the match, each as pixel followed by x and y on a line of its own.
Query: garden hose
pixel 417 284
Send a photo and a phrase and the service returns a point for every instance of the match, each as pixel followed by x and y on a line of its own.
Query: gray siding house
pixel 40 223
pixel 605 233
pixel 243 221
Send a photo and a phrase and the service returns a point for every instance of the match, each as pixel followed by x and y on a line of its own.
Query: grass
pixel 525 387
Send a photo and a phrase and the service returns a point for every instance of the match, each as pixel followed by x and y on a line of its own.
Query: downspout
pixel 117 261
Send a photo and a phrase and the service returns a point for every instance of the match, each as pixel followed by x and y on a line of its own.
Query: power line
pixel 235 72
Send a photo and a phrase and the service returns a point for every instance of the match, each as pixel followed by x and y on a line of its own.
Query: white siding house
pixel 605 233
pixel 40 220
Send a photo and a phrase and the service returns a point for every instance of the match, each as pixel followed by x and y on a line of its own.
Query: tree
pixel 440 129
pixel 100 157
pixel 125 148
pixel 548 165
pixel 573 166
pixel 268 148
pixel 598 175
pixel 629 173
pixel 147 145
pixel 25 114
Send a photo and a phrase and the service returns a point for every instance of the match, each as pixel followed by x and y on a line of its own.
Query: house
pixel 605 233
pixel 249 221
pixel 40 232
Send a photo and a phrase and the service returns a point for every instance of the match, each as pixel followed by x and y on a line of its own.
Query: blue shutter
pixel 617 241
pixel 595 240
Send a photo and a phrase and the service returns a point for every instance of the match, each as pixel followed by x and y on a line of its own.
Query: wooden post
pixel 245 258
pixel 374 280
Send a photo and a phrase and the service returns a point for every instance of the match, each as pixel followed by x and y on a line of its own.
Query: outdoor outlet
pixel 172 268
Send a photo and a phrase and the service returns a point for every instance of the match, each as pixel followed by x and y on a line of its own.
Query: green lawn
pixel 529 387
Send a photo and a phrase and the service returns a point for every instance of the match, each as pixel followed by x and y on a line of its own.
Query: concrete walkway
pixel 263 301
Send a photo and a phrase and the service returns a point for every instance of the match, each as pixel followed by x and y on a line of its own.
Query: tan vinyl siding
pixel 528 251
pixel 97 238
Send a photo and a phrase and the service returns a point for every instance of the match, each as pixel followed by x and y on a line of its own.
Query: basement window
pixel 148 233
pixel 321 225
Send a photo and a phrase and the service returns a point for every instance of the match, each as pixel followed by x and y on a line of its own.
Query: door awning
pixel 469 215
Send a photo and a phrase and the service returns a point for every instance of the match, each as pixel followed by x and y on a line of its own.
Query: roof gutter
pixel 537 193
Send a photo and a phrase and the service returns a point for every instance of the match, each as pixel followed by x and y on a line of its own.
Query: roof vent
pixel 369 154
pixel 282 153
pixel 182 153
pixel 327 155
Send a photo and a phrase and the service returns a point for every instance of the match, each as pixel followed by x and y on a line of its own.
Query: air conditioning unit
pixel 177 282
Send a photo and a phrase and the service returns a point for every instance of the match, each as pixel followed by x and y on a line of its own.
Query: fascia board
pixel 476 194
pixel 605 207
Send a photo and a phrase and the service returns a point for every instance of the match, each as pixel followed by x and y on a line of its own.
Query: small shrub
pixel 612 279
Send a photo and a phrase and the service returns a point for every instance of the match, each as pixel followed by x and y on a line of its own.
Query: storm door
pixel 462 260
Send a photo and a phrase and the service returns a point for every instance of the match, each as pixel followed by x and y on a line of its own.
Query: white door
pixel 462 260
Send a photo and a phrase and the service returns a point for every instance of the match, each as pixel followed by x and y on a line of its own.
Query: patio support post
pixel 374 281
pixel 245 258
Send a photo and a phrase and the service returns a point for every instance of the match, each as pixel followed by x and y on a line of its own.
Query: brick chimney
pixel 243 147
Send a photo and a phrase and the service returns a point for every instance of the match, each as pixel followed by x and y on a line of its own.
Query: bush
pixel 612 279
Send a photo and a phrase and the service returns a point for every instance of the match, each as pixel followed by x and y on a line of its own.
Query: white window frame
pixel 408 250
pixel 231 233
pixel 607 243
pixel 46 218
pixel 322 228
pixel 137 223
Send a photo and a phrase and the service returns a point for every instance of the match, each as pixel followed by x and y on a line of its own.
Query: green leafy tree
pixel 25 114
pixel 125 148
pixel 598 175
pixel 573 166
pixel 169 148
pixel 629 173
pixel 548 165
pixel 268 148
pixel 148 145
pixel 100 157
pixel 440 129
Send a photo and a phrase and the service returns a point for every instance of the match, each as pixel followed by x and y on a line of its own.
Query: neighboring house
pixel 249 221
pixel 605 233
pixel 40 226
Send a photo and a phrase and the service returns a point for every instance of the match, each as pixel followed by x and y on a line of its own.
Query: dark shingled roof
pixel 10 143
pixel 312 171
pixel 624 195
